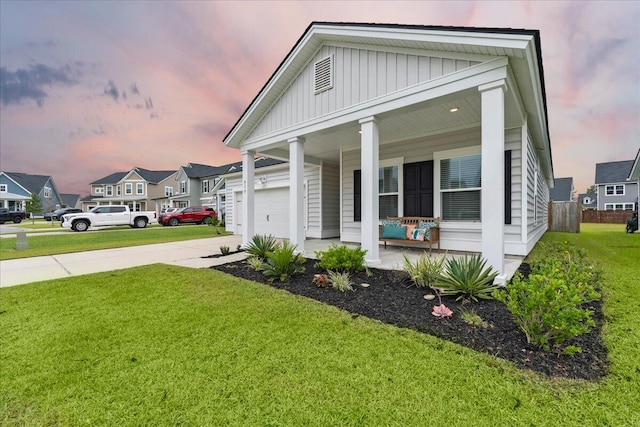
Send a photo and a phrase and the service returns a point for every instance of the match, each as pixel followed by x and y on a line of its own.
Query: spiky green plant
pixel 467 277
pixel 341 281
pixel 283 262
pixel 255 262
pixel 425 270
pixel 260 245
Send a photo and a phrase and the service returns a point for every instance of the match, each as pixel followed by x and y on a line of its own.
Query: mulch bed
pixel 391 298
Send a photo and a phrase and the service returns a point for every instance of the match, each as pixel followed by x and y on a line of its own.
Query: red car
pixel 196 214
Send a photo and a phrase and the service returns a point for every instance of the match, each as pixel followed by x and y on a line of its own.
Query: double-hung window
pixel 183 187
pixel 388 191
pixel 109 190
pixel 139 187
pixel 47 192
pixel 128 188
pixel 460 184
pixel 205 186
pixel 615 190
pixel 168 191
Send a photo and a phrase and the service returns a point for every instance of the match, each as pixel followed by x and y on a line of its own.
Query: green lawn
pixel 114 237
pixel 162 345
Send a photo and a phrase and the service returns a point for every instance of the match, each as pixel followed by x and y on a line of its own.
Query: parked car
pixel 14 216
pixel 194 214
pixel 165 211
pixel 102 216
pixel 57 214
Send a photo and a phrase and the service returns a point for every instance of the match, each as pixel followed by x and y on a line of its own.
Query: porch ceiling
pixel 409 123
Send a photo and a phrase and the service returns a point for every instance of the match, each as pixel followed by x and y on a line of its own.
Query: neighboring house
pixel 617 185
pixel 588 201
pixel 563 190
pixel 403 120
pixel 16 189
pixel 189 187
pixel 140 189
pixel 71 200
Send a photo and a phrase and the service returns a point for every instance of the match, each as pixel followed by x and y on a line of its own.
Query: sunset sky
pixel 92 88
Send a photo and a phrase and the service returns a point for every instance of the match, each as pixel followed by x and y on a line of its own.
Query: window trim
pixel 4 188
pixel 614 189
pixel 438 156
pixel 128 188
pixel 357 174
pixel 168 191
pixel 183 187
pixel 139 188
pixel 205 185
pixel 626 206
pixel 109 190
pixel 118 190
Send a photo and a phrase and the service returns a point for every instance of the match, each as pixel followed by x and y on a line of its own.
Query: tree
pixel 33 205
pixel 591 190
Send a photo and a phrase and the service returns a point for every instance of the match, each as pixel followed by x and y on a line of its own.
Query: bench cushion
pixel 394 232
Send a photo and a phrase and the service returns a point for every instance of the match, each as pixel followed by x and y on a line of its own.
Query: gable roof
pixel 593 197
pixel 517 44
pixel 70 199
pixel 561 191
pixel 150 176
pixel 611 172
pixel 635 169
pixel 196 170
pixel 31 183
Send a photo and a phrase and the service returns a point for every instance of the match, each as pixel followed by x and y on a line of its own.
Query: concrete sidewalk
pixel 186 253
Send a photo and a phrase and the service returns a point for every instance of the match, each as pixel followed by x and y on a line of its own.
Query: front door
pixel 418 189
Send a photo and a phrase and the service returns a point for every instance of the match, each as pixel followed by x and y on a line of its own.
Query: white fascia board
pixel 414 51
pixel 13 196
pixel 173 175
pixel 468 78
pixel 265 168
pixel 17 183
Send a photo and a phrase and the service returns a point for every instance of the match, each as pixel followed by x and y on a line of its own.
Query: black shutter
pixel 357 199
pixel 507 187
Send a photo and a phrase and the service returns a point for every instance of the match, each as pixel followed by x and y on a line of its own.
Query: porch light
pixel 453 109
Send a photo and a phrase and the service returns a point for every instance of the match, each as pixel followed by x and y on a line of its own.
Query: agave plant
pixel 283 263
pixel 467 277
pixel 260 245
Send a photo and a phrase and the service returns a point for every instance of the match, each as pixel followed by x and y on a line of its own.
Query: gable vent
pixel 323 73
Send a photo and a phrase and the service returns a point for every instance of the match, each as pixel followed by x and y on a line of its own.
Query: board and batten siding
pixel 359 75
pixel 456 236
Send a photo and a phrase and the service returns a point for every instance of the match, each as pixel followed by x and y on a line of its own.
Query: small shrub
pixel 340 281
pixel 341 258
pixel 472 318
pixel 260 245
pixel 468 278
pixel 547 306
pixel 283 263
pixel 424 271
pixel 224 250
pixel 255 263
pixel 214 221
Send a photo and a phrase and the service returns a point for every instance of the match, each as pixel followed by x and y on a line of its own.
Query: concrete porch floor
pixel 392 257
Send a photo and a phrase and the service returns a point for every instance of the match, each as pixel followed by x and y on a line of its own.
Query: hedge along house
pixel 416 121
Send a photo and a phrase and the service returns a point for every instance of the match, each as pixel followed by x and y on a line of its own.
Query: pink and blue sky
pixel 91 88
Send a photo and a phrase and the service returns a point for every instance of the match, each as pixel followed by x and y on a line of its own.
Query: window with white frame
pixel 614 190
pixel 205 186
pixel 128 188
pixel 618 206
pixel 388 184
pixel 183 187
pixel 99 190
pixel 118 190
pixel 3 188
pixel 168 191
pixel 109 190
pixel 460 185
pixel 139 187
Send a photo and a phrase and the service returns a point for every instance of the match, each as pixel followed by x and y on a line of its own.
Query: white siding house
pixel 394 120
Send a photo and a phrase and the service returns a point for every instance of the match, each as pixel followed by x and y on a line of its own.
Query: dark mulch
pixel 392 299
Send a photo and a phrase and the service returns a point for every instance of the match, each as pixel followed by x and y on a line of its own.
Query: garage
pixel 273 215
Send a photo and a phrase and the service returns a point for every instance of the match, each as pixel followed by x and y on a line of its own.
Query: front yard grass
pixel 115 237
pixel 163 345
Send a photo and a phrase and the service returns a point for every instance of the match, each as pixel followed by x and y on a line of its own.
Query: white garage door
pixel 272 212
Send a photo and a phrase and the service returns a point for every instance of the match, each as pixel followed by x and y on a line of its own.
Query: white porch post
pixel 296 192
pixel 248 197
pixel 370 139
pixel 492 200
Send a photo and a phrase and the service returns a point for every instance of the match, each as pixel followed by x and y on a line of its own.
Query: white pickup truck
pixel 103 216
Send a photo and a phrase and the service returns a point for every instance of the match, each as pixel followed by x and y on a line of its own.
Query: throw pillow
pixel 392 222
pixel 394 232
pixel 410 229
pixel 427 226
pixel 418 234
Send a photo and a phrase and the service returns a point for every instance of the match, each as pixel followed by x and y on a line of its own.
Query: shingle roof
pixel 613 171
pixel 110 179
pixel 196 170
pixel 561 191
pixel 33 183
pixel 593 197
pixel 70 199
pixel 153 177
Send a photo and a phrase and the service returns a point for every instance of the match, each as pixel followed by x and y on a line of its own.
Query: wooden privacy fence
pixel 564 216
pixel 607 217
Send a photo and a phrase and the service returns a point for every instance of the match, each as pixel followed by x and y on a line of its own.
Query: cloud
pixel 28 84
pixel 112 91
pixel 148 103
pixel 134 88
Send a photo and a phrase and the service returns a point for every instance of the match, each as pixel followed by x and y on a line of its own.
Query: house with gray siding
pixel 378 120
pixel 617 186
pixel 16 189
pixel 563 190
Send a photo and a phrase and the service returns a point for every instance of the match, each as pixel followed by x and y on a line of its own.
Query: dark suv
pixel 196 214
pixel 57 214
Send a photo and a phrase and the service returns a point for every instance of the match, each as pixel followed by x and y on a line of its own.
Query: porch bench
pixel 408 221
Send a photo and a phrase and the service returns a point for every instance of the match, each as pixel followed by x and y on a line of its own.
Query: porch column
pixel 370 139
pixel 248 196
pixel 296 193
pixel 492 199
